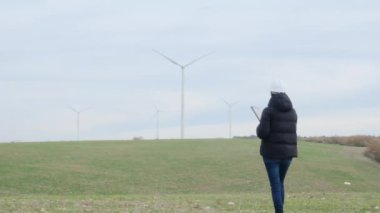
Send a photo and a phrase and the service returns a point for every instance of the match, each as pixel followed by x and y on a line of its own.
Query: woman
pixel 278 133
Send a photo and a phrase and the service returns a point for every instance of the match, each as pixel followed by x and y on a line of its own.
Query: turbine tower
pixel 78 112
pixel 230 105
pixel 157 115
pixel 183 67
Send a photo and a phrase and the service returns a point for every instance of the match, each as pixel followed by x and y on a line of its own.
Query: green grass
pixel 180 176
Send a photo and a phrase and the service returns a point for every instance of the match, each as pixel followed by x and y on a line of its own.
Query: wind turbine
pixel 230 105
pixel 78 112
pixel 183 67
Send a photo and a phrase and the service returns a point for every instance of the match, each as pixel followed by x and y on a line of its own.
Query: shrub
pixel 356 140
pixel 373 150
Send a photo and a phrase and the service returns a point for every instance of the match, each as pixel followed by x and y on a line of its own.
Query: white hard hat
pixel 277 86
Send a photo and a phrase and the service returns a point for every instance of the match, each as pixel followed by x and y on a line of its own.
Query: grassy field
pixel 180 176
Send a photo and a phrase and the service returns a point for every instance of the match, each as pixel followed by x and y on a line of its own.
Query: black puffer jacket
pixel 278 128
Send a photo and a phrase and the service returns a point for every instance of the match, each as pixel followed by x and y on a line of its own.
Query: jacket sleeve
pixel 263 129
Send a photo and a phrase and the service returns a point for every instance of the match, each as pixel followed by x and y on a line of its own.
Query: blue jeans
pixel 276 170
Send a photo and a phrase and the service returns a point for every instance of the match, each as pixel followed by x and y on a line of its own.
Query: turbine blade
pixel 197 59
pixel 156 107
pixel 167 58
pixel 72 109
pixel 230 103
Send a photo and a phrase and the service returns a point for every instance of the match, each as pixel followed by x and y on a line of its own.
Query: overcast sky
pixel 98 54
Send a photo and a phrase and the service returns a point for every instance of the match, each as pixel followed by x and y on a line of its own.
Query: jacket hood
pixel 281 102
